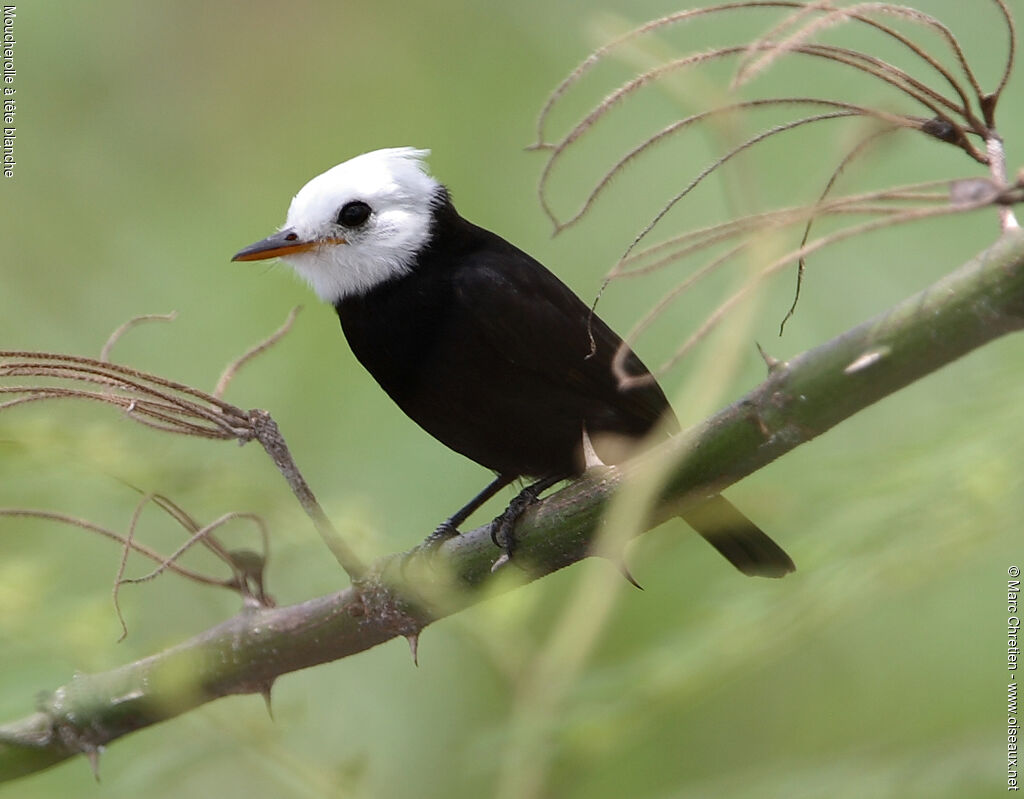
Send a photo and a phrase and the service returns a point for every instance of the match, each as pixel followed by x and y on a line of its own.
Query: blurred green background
pixel 154 140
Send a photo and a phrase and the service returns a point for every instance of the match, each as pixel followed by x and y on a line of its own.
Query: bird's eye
pixel 354 214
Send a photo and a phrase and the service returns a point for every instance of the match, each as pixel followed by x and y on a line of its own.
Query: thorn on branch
pixel 93 756
pixel 770 361
pixel 625 572
pixel 265 692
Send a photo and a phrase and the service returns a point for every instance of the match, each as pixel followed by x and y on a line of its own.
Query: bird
pixel 480 344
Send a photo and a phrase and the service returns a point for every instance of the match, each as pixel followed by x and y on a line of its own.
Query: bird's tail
pixel 738 539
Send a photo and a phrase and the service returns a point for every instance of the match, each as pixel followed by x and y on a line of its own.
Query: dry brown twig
pixel 957 112
pixel 247 567
pixel 242 581
pixel 232 368
pixel 173 407
pixel 133 322
pixel 124 541
pixel 969 195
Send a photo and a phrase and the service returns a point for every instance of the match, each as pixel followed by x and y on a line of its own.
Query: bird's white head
pixel 357 225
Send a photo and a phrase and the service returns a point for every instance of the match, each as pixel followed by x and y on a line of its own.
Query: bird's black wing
pixel 535 324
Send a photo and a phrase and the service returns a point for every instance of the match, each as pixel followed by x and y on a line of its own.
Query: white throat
pixel 337 271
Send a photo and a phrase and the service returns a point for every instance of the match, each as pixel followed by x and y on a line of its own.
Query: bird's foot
pixel 503 536
pixel 445 531
pixel 503 527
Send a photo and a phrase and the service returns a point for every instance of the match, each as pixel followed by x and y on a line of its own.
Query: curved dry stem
pixel 925 191
pixel 894 76
pixel 763 222
pixel 197 536
pixel 175 426
pixel 168 417
pixel 175 417
pixel 172 406
pixel 874 67
pixel 120 369
pixel 778 220
pixel 627 380
pixel 136 320
pixel 693 241
pixel 935 102
pixel 769 45
pixel 142 549
pixel 926 20
pixel 189 523
pixel 800 9
pixel 746 145
pixel 801 265
pixel 750 67
pixel 232 368
pixel 879 203
pixel 203 534
pixel 678 125
pixel 606 105
pixel 273 443
pixel 600 53
pixel 125 551
pixel 1011 56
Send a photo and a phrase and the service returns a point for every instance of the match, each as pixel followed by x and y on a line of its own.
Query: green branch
pixel 801 399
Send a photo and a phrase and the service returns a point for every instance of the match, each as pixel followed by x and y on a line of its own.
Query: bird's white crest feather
pixel 401 194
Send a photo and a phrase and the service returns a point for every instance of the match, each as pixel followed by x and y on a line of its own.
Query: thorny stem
pixel 801 399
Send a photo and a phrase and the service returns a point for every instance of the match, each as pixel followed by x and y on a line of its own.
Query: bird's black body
pixel 492 354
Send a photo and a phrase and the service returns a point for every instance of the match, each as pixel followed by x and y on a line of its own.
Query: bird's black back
pixel 491 354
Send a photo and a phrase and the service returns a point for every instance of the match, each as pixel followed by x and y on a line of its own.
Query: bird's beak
pixel 284 242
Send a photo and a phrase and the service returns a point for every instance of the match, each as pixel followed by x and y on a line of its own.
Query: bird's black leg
pixel 502 527
pixel 449 528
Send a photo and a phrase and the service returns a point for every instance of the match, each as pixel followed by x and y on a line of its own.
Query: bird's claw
pixel 503 527
pixel 502 537
pixel 445 530
pixel 430 545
